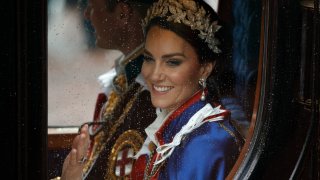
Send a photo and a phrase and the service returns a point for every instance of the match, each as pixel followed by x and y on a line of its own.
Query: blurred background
pixel 74 63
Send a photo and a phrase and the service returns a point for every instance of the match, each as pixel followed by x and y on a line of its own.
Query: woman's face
pixel 171 68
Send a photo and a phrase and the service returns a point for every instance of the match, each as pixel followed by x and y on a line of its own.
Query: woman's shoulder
pixel 216 135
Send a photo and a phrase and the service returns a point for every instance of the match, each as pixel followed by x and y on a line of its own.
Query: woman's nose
pixel 157 73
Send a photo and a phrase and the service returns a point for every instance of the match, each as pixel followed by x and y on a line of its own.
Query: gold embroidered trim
pixel 130 138
pixel 104 136
pixel 119 121
pixel 96 149
pixel 99 143
pixel 120 83
pixel 113 98
pixel 155 168
pixel 189 13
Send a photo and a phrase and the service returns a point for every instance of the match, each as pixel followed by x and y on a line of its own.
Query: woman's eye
pixel 147 58
pixel 173 62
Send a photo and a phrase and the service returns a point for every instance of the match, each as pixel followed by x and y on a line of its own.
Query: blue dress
pixel 208 151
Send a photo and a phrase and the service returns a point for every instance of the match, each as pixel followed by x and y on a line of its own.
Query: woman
pixel 192 137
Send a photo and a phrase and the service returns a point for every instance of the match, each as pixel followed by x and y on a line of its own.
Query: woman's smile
pixel 162 89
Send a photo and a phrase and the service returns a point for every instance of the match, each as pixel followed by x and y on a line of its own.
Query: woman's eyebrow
pixel 166 56
pixel 173 54
pixel 147 52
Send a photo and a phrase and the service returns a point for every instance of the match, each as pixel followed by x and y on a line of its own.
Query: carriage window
pixel 74 64
pixel 76 60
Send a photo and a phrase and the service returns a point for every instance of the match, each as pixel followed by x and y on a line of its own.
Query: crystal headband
pixel 189 13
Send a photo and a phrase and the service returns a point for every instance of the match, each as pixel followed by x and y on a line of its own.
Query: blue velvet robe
pixel 208 152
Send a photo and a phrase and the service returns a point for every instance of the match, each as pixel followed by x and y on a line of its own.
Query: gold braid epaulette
pixel 121 83
pixel 189 13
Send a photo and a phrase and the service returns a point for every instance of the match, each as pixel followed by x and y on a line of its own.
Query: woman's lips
pixel 162 89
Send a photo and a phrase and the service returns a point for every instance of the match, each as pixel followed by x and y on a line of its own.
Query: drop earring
pixel 203 85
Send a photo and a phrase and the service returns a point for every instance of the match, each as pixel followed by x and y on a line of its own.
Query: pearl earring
pixel 203 85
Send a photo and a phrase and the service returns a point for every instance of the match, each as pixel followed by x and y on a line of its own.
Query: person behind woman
pixel 192 136
pixel 117 25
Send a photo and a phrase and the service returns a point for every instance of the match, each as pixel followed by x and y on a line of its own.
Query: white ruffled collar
pixel 106 79
pixel 151 131
pixel 165 150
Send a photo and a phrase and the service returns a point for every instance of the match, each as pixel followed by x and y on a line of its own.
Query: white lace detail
pixel 106 79
pixel 165 150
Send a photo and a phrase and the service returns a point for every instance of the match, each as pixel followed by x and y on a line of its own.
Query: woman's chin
pixel 164 106
pixel 160 105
